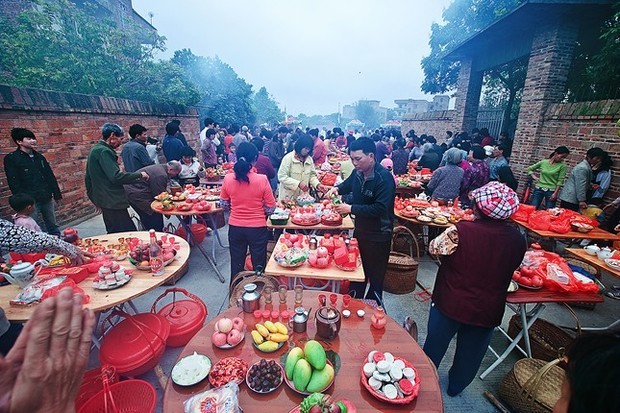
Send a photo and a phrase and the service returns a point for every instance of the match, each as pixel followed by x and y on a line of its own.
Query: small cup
pixel 285 316
pixel 299 295
pixel 267 290
pixel 282 293
pixel 346 299
pixel 257 314
pixel 333 299
pixel 266 315
pixel 275 315
pixel 322 300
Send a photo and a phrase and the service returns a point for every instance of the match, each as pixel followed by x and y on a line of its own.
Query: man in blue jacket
pixel 370 190
pixel 172 145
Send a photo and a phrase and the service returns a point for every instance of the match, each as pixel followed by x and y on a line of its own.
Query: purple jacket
pixel 264 167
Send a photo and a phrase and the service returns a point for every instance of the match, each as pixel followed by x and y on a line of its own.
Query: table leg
pixel 216 231
pixel 201 249
pixel 530 318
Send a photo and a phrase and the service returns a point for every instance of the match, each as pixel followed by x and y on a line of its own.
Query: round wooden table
pixel 356 339
pixel 101 300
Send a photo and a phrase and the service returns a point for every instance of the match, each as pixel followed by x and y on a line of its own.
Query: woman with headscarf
pixel 250 200
pixel 445 185
pixel 476 175
pixel 297 174
pixel 467 272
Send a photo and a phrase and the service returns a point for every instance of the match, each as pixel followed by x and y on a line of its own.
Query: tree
pixel 266 108
pixel 225 96
pixel 58 46
pixel 366 113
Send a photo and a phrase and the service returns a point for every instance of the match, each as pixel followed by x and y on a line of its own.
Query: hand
pixel 322 188
pixel 332 192
pixel 343 208
pixel 583 205
pixel 81 257
pixel 145 176
pixel 535 177
pixel 43 370
pixel 303 186
pixel 554 196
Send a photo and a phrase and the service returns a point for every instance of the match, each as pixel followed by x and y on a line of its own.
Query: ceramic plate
pixel 226 370
pixel 227 346
pixel 272 351
pixel 104 286
pixel 247 379
pixel 613 263
pixel 528 287
pixel 191 370
pixel 512 287
pixel 290 384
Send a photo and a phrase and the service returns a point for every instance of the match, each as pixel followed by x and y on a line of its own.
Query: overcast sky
pixel 311 55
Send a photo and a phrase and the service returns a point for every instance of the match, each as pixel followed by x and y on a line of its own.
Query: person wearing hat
pixel 478 259
pixel 476 175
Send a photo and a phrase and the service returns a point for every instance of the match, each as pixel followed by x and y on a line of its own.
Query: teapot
pixel 250 300
pixel 327 322
pixel 299 322
pixel 592 249
pixel 23 272
pixel 604 253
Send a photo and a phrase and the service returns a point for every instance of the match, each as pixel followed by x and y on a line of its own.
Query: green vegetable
pixel 308 402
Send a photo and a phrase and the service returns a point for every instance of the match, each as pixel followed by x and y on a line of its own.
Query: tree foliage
pixel 367 114
pixel 225 96
pixel 266 108
pixel 58 46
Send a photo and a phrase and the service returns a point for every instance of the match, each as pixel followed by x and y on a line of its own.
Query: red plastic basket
pixel 186 317
pixel 92 383
pixel 135 396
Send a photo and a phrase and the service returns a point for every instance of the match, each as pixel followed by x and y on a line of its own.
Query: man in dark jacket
pixel 29 172
pixel 104 180
pixel 370 192
pixel 134 152
pixel 470 290
pixel 172 145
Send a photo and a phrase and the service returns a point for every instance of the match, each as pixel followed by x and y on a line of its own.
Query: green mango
pixel 320 379
pixel 292 358
pixel 315 354
pixel 302 374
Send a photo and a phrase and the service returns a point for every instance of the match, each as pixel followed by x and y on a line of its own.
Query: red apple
pixel 312 258
pixel 224 325
pixel 238 323
pixel 322 262
pixel 322 252
pixel 219 339
pixel 234 337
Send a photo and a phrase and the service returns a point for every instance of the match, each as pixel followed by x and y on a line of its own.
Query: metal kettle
pixel 299 322
pixel 250 300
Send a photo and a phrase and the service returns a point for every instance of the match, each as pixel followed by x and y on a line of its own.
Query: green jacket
pixel 104 178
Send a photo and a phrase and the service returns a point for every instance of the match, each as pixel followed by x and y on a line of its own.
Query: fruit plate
pixel 103 286
pixel 226 370
pixel 228 346
pixel 513 286
pixel 269 351
pixel 191 370
pixel 528 287
pixel 347 268
pixel 382 397
pixel 329 263
pixel 613 263
pixel 305 223
pixel 147 267
pixel 290 384
pixel 247 380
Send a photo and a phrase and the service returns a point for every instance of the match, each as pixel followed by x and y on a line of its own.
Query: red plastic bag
pixel 560 226
pixel 68 282
pixel 539 220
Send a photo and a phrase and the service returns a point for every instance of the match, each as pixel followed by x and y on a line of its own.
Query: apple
pixel 537 281
pixel 322 262
pixel 293 238
pixel 238 323
pixel 312 259
pixel 297 245
pixel 322 252
pixel 219 339
pixel 288 243
pixel 234 337
pixel 224 325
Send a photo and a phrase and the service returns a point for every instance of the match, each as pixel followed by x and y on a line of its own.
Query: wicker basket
pixel 243 278
pixel 547 340
pixel 532 386
pixel 589 268
pixel 402 269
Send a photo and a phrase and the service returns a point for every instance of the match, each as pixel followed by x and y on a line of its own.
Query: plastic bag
pixel 223 399
pixel 560 226
pixel 523 213
pixel 539 220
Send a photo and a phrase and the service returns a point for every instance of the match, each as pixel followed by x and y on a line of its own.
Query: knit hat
pixel 488 150
pixel 495 200
pixel 387 163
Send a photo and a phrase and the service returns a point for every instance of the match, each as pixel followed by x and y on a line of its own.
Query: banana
pixel 281 328
pixel 271 327
pixel 278 338
pixel 268 346
pixel 258 339
pixel 262 330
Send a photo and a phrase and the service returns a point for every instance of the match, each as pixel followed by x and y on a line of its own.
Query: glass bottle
pixel 156 260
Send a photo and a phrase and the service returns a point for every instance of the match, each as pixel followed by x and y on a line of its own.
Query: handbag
pixel 532 385
pixel 402 269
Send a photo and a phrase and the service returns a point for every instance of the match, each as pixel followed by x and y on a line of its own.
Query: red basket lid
pixel 134 342
pixel 184 315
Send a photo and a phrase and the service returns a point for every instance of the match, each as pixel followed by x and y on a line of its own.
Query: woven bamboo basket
pixel 243 278
pixel 532 386
pixel 402 269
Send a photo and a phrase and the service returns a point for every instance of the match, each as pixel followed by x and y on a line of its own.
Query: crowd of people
pixel 282 164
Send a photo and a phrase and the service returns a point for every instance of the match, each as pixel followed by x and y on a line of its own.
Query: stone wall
pixel 578 126
pixel 431 123
pixel 68 125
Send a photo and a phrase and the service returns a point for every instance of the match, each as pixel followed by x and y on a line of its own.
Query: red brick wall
pixel 68 125
pixel 431 123
pixel 578 126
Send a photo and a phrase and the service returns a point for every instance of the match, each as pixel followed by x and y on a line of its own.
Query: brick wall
pixel 68 125
pixel 431 123
pixel 578 126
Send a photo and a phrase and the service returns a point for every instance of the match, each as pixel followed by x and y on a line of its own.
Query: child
pixel 388 164
pixel 232 155
pixel 23 205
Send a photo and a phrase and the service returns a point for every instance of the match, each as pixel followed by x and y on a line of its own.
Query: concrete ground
pixel 201 281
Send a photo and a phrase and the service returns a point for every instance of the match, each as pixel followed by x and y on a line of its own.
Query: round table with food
pixel 280 358
pixel 119 273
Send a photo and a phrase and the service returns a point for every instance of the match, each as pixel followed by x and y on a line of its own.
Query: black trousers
pixel 239 239
pixel 117 220
pixel 153 221
pixel 375 254
pixel 569 205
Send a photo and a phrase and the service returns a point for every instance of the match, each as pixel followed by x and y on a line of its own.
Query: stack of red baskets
pixel 186 317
